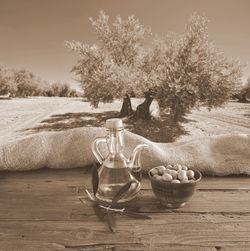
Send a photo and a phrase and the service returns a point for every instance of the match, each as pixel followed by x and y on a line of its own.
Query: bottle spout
pixel 135 160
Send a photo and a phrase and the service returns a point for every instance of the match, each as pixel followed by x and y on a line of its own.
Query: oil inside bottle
pixel 112 180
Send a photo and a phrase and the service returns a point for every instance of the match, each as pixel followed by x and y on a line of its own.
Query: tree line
pixel 23 83
pixel 181 71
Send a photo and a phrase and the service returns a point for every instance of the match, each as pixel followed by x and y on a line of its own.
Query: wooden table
pixel 40 210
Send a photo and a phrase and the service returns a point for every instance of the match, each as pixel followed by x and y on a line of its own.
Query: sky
pixel 32 32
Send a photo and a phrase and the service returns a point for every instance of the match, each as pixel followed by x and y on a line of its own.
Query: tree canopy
pixel 193 73
pixel 181 71
pixel 113 67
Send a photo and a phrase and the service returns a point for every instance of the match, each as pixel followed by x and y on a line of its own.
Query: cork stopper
pixel 114 124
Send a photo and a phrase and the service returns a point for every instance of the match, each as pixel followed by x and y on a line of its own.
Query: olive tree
pixel 192 72
pixel 25 82
pixel 243 93
pixel 181 71
pixel 112 68
pixel 7 84
pixel 60 89
pixel 4 87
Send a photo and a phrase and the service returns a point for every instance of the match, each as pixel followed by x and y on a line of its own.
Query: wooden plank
pixel 193 230
pixel 46 173
pixel 23 245
pixel 225 183
pixel 41 246
pixel 62 206
pixel 81 176
pixel 50 186
pixel 52 246
pixel 38 207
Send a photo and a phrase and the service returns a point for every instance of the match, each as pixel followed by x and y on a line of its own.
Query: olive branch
pixel 105 212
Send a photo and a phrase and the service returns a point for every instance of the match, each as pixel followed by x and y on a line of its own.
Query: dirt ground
pixel 234 117
pixel 20 117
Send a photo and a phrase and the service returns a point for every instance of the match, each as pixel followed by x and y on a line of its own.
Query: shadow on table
pixel 156 130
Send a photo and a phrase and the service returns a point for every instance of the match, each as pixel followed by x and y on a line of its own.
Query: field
pixel 20 117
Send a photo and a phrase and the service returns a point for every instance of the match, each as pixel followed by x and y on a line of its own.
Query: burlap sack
pixel 217 155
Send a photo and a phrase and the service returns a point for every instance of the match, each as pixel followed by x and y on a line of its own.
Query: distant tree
pixel 25 82
pixel 7 84
pixel 65 90
pixel 41 87
pixel 59 89
pixel 113 68
pixel 56 88
pixel 192 72
pixel 48 92
pixel 3 81
pixel 243 94
pixel 247 90
pixel 73 93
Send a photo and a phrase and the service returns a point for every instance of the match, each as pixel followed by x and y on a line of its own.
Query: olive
pixel 167 177
pixel 190 174
pixel 182 175
pixel 174 174
pixel 153 171
pixel 167 171
pixel 175 167
pixel 175 181
pixel 158 177
pixel 179 167
pixel 185 168
pixel 161 169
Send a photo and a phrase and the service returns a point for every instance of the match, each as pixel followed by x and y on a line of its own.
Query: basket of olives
pixel 173 185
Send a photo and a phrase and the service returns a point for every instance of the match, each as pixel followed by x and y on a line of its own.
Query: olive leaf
pixel 99 212
pixel 111 222
pixel 95 178
pixel 121 192
pixel 136 215
pixel 94 203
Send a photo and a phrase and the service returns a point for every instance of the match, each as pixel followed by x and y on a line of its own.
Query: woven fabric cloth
pixel 217 155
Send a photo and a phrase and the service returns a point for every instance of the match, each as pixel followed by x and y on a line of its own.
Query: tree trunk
pixel 243 98
pixel 176 113
pixel 142 110
pixel 126 109
pixel 175 116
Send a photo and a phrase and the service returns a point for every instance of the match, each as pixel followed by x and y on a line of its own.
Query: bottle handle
pixel 95 149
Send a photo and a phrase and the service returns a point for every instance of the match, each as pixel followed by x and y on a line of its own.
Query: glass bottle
pixel 116 170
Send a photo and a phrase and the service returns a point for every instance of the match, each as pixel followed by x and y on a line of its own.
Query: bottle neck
pixel 115 141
